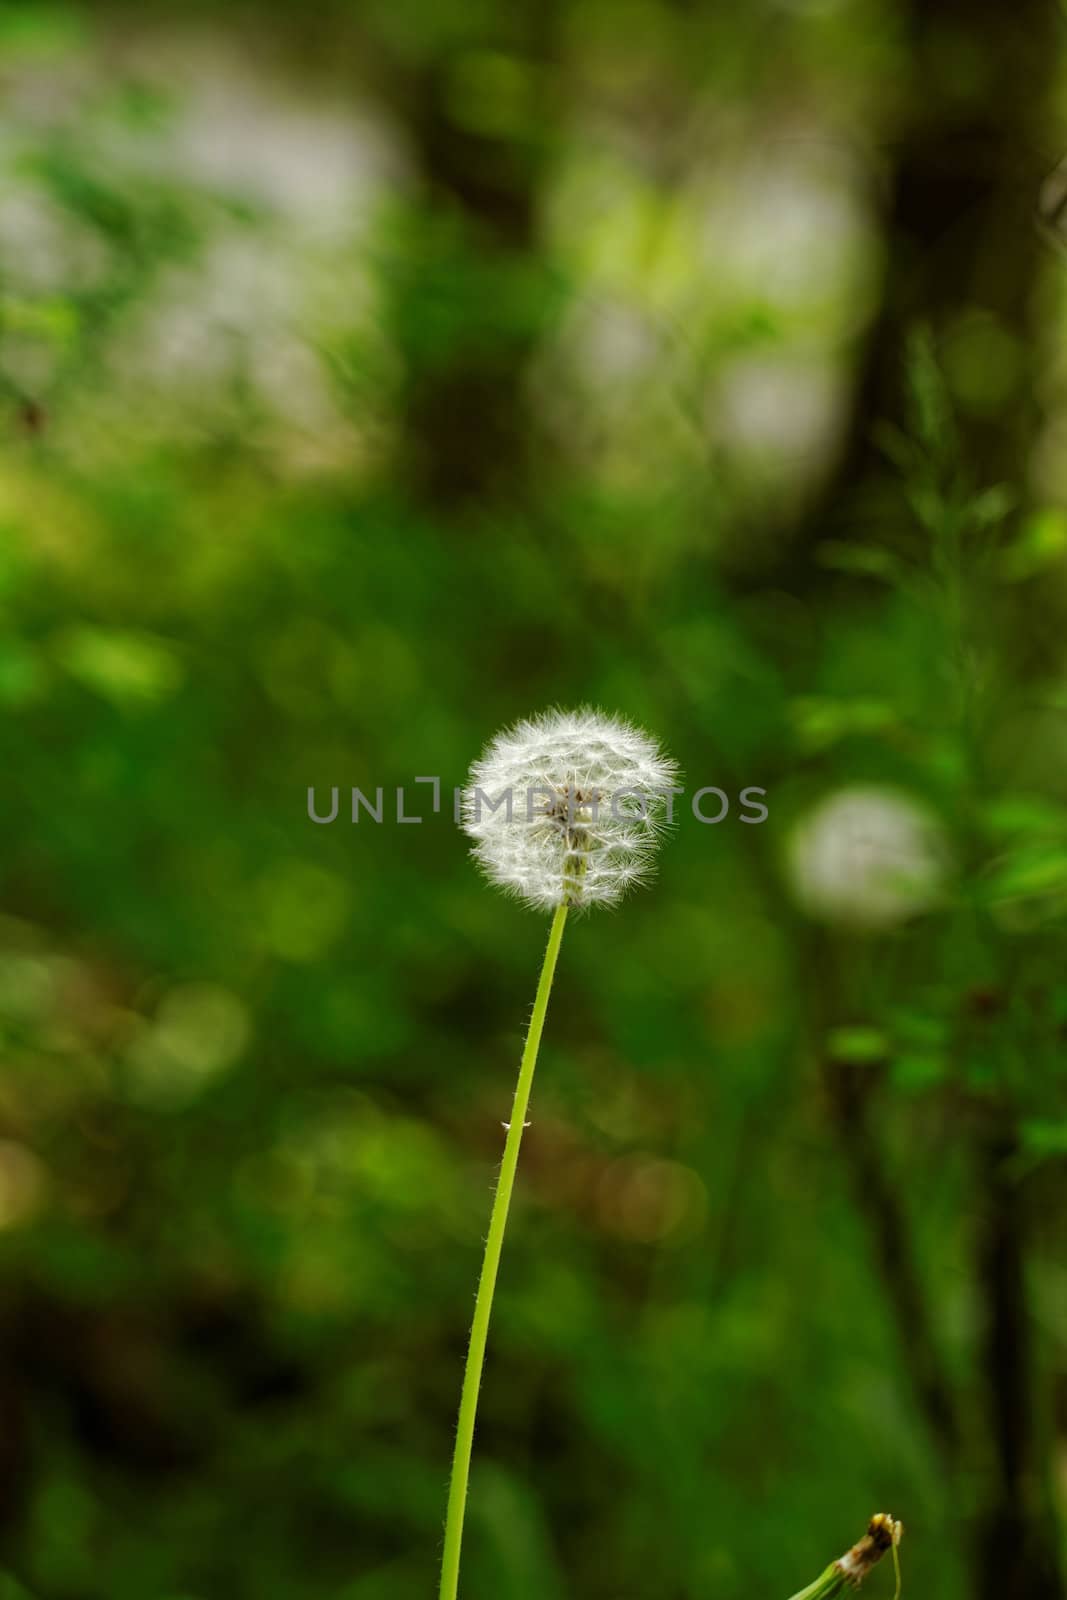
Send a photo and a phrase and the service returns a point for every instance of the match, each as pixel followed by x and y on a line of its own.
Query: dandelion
pixel 869 857
pixel 566 811
pixel 567 808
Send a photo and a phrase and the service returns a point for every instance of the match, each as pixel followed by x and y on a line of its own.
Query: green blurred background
pixel 372 375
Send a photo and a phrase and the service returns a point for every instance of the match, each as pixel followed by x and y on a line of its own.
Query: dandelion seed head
pixel 868 856
pixel 568 808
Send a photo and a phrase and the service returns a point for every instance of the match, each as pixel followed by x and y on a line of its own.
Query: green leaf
pixel 992 505
pixel 129 669
pixel 857 1044
pixel 1042 1137
pixel 1041 544
pixel 863 560
pixel 1024 813
pixel 821 721
pixel 1037 870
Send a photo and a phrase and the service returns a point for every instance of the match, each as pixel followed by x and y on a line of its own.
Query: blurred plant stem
pixel 483 1305
pixel 848 1572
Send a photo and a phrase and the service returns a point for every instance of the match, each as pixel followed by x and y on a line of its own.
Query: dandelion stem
pixel 832 1582
pixel 483 1304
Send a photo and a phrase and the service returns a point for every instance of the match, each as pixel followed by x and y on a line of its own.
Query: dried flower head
pixel 568 807
pixel 883 1533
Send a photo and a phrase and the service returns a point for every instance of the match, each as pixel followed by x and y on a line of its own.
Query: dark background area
pixel 374 375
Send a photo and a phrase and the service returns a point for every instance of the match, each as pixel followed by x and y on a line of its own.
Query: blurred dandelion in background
pixel 868 856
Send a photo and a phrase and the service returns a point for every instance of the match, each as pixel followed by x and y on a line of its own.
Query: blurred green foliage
pixel 370 381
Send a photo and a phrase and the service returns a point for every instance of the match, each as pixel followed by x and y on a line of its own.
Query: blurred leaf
pixel 857 1044
pixel 1026 814
pixel 864 560
pixel 820 722
pixel 931 409
pixel 131 669
pixel 990 507
pixel 1042 543
pixel 1045 1137
pixel 55 319
pixel 1029 871
pixel 40 31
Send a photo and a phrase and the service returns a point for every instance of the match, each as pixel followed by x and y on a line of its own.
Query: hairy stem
pixel 483 1304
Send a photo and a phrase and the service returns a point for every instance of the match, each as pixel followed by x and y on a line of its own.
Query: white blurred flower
pixel 868 856
pixel 568 807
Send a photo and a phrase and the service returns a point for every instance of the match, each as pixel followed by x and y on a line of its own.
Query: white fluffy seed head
pixel 568 808
pixel 869 857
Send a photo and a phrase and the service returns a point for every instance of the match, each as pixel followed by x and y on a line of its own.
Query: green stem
pixel 832 1582
pixel 483 1304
